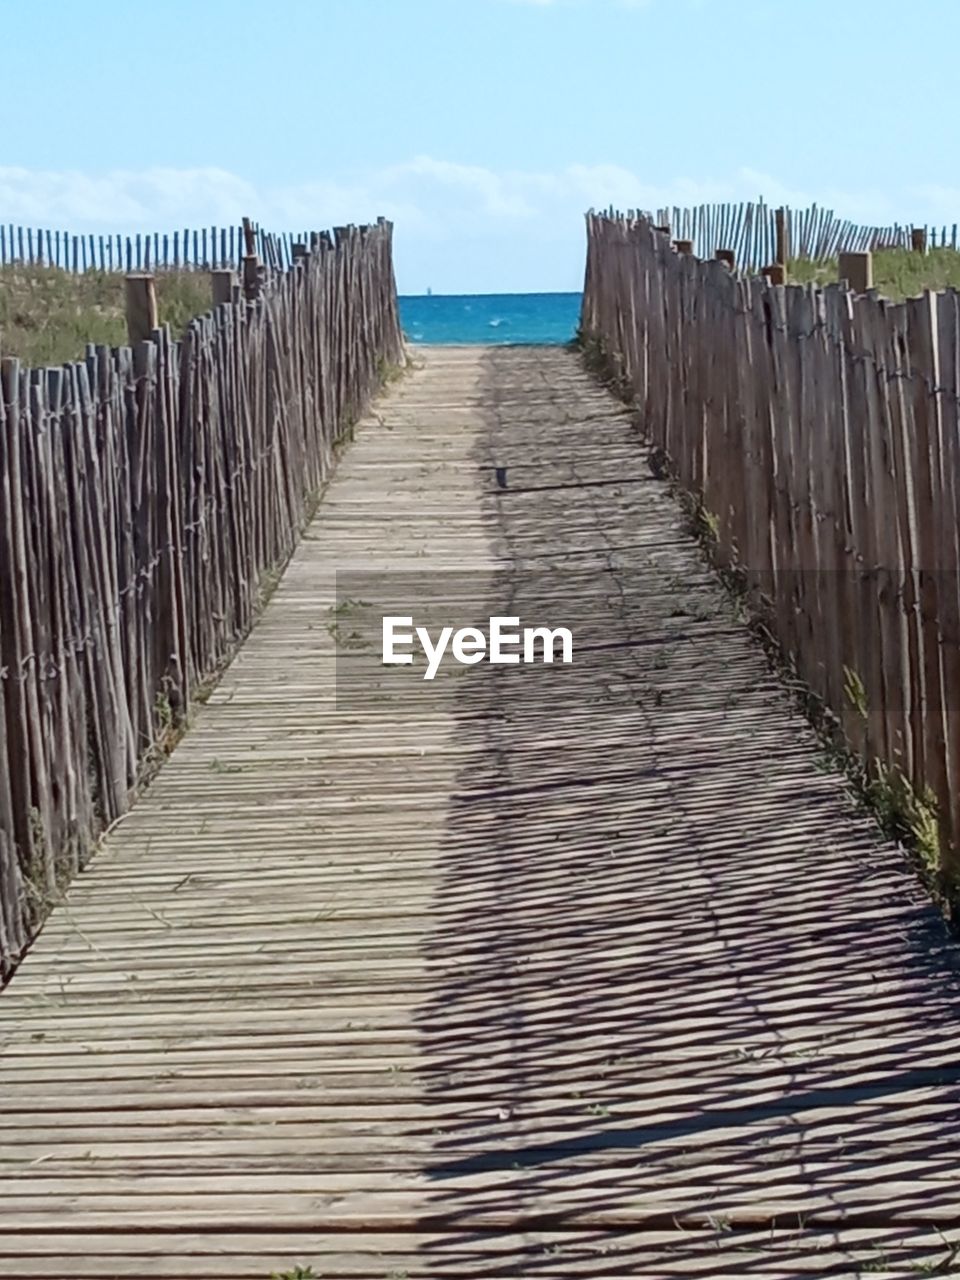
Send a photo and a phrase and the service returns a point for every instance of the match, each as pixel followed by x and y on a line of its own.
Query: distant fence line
pixel 821 429
pixel 207 248
pixel 144 494
pixel 749 230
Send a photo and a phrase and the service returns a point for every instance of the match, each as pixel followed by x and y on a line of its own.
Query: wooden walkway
pixel 548 972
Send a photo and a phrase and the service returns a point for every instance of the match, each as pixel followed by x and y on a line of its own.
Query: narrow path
pixel 559 971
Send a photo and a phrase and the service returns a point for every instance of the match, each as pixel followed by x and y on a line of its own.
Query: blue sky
pixel 484 128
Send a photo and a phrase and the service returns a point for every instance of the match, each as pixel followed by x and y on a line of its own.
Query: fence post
pixel 727 256
pixel 249 238
pixel 251 263
pixel 857 270
pixel 783 238
pixel 141 300
pixel 221 282
pixel 251 276
pixel 918 239
pixel 683 246
pixel 775 273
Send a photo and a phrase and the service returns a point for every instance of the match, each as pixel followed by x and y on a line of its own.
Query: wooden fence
pixel 749 231
pixel 821 429
pixel 209 248
pixel 144 493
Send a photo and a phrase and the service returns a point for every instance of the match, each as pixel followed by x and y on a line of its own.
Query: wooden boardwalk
pixel 553 972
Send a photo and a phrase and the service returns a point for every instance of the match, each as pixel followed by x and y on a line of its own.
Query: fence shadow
pixel 689 1012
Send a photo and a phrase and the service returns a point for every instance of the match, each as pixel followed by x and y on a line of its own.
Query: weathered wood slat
pixel 591 971
pixel 819 430
pixel 146 496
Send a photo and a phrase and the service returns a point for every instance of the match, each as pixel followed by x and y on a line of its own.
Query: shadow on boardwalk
pixel 694 1016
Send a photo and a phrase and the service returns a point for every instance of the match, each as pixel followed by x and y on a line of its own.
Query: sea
pixel 496 318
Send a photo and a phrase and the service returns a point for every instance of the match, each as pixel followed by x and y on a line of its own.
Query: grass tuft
pixel 905 814
pixel 48 316
pixel 897 273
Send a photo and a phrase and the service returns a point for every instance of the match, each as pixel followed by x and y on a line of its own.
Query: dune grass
pixel 897 273
pixel 47 316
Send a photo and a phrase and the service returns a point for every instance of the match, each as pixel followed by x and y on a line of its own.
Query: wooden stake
pixel 251 276
pixel 918 239
pixel 857 270
pixel 141 300
pixel 683 246
pixel 776 273
pixel 727 256
pixel 783 238
pixel 221 283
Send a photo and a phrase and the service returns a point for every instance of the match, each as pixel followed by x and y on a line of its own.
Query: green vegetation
pixel 897 273
pixel 902 812
pixel 47 316
pixel 388 373
pixel 907 815
pixel 855 692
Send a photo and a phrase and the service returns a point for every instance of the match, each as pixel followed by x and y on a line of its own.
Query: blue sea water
pixel 490 317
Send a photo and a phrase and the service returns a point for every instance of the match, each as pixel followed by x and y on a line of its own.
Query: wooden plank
pixel 948 384
pixel 118 491
pixel 926 469
pixel 363 962
pixel 141 307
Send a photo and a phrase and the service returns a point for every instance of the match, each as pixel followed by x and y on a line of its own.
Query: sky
pixel 483 128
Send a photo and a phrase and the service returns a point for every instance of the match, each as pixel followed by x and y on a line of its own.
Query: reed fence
pixel 821 431
pixel 203 249
pixel 749 231
pixel 144 495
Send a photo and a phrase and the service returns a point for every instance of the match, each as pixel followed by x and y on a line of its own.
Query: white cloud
pixel 428 193
pixel 459 225
pixel 119 198
pixel 498 195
